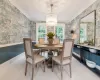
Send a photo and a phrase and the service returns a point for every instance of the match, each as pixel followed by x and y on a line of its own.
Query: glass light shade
pixel 51 20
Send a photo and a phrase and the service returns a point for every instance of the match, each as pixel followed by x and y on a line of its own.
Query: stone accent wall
pixel 75 22
pixel 33 30
pixel 67 31
pixel 13 24
pixel 50 29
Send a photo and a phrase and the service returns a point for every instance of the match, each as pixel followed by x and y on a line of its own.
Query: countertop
pixel 93 47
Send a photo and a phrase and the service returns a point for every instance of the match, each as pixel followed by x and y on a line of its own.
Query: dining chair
pixel 65 56
pixel 32 56
pixel 42 41
pixel 56 41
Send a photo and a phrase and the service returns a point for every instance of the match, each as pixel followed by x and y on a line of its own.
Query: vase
pixel 50 41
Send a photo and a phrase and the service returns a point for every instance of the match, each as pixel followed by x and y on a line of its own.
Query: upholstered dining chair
pixel 56 41
pixel 65 56
pixel 31 56
pixel 41 41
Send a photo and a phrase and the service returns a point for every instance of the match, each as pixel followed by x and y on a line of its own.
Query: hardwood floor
pixel 14 70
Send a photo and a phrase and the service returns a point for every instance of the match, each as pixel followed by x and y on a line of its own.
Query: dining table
pixel 50 48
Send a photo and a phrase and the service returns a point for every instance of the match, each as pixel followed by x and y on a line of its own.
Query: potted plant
pixel 85 43
pixel 90 42
pixel 50 36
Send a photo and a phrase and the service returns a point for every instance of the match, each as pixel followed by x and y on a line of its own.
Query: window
pixel 41 31
pixel 60 32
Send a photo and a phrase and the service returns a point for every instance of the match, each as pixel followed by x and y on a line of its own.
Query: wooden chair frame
pixel 32 57
pixel 62 58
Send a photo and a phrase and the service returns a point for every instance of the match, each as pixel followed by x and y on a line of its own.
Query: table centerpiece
pixel 50 36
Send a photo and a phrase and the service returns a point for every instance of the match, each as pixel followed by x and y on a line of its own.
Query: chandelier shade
pixel 51 20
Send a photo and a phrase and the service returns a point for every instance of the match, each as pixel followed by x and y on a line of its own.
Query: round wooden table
pixel 50 48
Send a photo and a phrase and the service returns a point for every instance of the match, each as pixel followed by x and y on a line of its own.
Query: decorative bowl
pixel 78 46
pixel 92 50
pixel 90 64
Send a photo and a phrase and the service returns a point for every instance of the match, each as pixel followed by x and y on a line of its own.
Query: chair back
pixel 41 41
pixel 56 41
pixel 28 47
pixel 67 48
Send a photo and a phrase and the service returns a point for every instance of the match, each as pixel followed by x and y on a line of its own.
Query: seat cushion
pixel 58 60
pixel 37 58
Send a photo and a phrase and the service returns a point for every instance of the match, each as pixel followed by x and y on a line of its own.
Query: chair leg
pixel 61 72
pixel 52 65
pixel 32 71
pixel 26 68
pixel 44 65
pixel 40 52
pixel 70 70
pixel 36 65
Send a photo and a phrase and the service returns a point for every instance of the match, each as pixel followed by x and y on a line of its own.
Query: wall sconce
pixel 74 36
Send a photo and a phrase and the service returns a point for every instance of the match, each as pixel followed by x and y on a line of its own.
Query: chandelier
pixel 51 19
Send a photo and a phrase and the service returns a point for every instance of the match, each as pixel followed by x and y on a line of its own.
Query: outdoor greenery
pixel 59 33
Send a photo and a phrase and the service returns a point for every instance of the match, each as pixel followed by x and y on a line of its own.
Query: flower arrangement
pixel 50 35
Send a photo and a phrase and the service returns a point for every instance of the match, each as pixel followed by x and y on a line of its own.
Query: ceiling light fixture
pixel 51 18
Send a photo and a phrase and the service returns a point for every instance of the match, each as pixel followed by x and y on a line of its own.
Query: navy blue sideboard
pixel 82 53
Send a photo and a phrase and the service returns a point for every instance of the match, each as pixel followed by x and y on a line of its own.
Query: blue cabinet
pixel 85 55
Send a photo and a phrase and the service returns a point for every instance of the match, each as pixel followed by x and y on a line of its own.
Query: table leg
pixel 50 55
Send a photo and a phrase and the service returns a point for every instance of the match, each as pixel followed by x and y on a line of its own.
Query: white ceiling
pixel 66 10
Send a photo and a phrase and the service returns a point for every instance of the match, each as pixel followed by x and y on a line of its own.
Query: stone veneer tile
pixel 13 24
